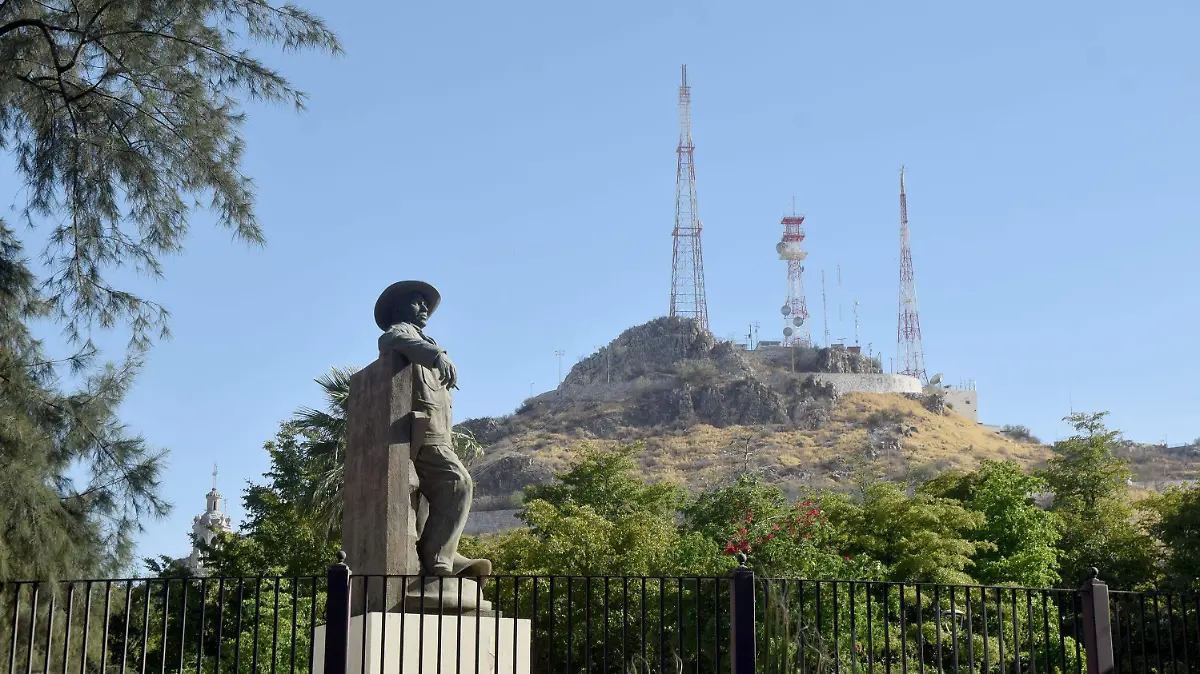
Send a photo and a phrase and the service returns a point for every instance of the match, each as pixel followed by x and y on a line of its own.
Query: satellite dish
pixel 937 378
pixel 786 310
pixel 779 247
pixel 798 321
pixel 787 332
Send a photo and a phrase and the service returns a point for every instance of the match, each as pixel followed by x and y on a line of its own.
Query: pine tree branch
pixel 37 23
pixel 101 444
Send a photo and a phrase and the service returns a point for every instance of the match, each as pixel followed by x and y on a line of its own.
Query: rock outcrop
pixel 842 361
pixel 653 351
pixel 744 402
pixel 499 481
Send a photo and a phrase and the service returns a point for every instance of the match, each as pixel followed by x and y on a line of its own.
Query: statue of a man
pixel 402 312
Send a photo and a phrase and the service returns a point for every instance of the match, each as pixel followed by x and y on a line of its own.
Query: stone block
pixel 431 643
pixel 380 501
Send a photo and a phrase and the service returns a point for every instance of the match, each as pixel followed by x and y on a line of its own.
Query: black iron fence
pixel 736 624
pixel 181 625
pixel 842 626
pixel 1155 633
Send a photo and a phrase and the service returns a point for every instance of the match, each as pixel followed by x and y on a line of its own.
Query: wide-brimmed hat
pixel 385 306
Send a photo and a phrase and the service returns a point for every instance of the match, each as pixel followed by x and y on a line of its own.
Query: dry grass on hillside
pixel 702 456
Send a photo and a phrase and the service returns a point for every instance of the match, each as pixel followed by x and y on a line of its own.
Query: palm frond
pixel 326 448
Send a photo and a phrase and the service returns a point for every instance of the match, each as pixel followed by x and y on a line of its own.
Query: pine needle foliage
pixel 122 118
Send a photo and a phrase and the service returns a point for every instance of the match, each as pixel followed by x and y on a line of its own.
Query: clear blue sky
pixel 521 157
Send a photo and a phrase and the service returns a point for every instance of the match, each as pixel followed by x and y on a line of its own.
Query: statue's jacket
pixel 431 399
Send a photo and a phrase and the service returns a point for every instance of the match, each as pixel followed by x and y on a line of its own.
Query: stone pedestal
pixel 380 506
pixel 432 644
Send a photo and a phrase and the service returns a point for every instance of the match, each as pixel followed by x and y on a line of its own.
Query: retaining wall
pixel 869 383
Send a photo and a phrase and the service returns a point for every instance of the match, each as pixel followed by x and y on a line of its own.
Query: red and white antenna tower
pixel 910 354
pixel 795 309
pixel 687 262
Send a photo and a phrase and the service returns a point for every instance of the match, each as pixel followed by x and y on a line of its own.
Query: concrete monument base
pixel 418 639
pixel 445 595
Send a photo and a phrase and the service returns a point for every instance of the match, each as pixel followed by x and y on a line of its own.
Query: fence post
pixel 1097 626
pixel 741 619
pixel 337 617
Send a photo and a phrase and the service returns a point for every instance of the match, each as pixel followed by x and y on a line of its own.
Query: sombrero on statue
pixel 385 306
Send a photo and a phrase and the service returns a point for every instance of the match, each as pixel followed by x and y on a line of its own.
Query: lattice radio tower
pixel 910 354
pixel 795 309
pixel 687 262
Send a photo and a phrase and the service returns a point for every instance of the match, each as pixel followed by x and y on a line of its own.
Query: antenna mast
pixel 824 308
pixel 687 262
pixel 795 308
pixel 910 353
pixel 855 322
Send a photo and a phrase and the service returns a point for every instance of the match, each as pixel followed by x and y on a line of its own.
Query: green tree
pixel 606 481
pixel 1093 508
pixel 261 581
pixel 1084 471
pixel 780 538
pixel 281 535
pixel 75 484
pixel 1017 539
pixel 599 518
pixel 919 538
pixel 118 116
pixel 1175 522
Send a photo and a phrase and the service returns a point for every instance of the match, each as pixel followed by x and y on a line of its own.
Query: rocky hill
pixel 1156 467
pixel 707 409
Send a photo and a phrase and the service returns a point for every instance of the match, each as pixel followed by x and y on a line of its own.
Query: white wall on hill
pixel 869 383
pixel 965 403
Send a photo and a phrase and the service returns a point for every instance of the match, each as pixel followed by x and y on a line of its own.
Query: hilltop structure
pixel 795 308
pixel 688 299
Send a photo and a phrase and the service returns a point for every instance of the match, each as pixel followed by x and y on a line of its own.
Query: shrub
pixel 697 372
pixel 887 417
pixel 1020 434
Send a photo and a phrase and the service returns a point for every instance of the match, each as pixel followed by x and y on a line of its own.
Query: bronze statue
pixel 402 312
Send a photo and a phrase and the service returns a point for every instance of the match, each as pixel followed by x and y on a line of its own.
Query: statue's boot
pixel 450 594
pixel 471 568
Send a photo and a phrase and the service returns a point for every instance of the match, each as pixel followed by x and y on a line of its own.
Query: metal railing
pixel 1155 632
pixel 545 624
pixel 738 624
pixel 182 625
pixel 880 627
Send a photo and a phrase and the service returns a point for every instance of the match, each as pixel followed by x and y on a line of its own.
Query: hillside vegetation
pixel 707 411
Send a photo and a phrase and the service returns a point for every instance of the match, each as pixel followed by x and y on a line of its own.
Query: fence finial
pixel 341 556
pixel 1094 574
pixel 741 559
